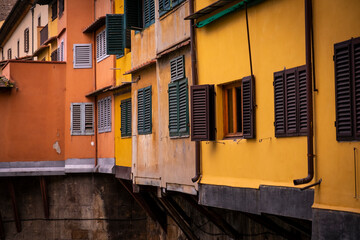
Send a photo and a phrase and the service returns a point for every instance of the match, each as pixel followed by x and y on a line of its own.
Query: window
pixel 9 53
pixel 82 119
pixel 101 46
pixel 125 118
pixel 178 99
pixel 167 5
pixel 39 21
pixel 116 36
pixel 239 111
pixel 26 40
pixel 144 111
pixel 60 53
pixel 54 56
pixel 61 7
pixel 290 102
pixel 347 89
pixel 104 115
pixel 54 10
pixel 82 56
pixel 202 113
pixel 139 14
pixel 18 48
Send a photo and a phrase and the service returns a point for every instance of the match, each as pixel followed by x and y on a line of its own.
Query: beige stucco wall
pixel 18 34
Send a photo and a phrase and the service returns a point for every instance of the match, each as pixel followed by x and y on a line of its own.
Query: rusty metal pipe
pixel 194 82
pixel 310 140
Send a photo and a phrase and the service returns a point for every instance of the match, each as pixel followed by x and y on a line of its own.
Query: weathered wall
pixel 81 207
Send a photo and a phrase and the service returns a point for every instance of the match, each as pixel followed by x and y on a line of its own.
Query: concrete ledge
pixel 77 165
pixel 283 201
pixel 39 168
pixel 328 225
pixel 106 165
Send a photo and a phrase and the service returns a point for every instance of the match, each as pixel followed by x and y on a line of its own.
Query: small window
pixel 82 119
pixel 39 21
pixel 101 46
pixel 60 54
pixel 54 10
pixel 238 107
pixel 104 115
pixel 26 40
pixel 54 56
pixel 9 53
pixel 61 8
pixel 290 102
pixel 144 111
pixel 82 56
pixel 18 48
pixel 347 89
pixel 125 118
pixel 167 5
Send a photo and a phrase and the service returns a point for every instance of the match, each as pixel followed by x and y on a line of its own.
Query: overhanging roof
pixel 141 66
pixel 209 9
pixel 98 23
pixel 99 91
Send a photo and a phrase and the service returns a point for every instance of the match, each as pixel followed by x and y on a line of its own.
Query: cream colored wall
pixel 19 32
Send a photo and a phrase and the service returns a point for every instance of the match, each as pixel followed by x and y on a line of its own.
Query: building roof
pixel 98 23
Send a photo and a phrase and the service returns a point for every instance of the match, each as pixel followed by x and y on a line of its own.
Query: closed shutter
pixel 76 119
pixel 82 56
pixel 89 118
pixel 125 117
pixel 177 69
pixel 164 6
pixel 302 100
pixel 291 101
pixel 183 107
pixel 248 107
pixel 279 103
pixel 108 114
pixel 115 34
pixel 26 40
pixel 356 77
pixel 343 89
pixel 133 14
pixel 144 111
pixel 149 12
pixel 202 113
pixel 173 108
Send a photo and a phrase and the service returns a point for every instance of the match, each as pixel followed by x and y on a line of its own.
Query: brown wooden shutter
pixel 343 91
pixel 202 113
pixel 291 101
pixel 356 84
pixel 279 103
pixel 302 100
pixel 248 87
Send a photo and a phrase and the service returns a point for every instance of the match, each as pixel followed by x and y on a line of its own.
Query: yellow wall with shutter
pixel 277 34
pixel 123 64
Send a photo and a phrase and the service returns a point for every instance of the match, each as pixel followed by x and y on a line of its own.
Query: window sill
pixel 126 137
pixel 181 136
pixel 104 131
pixel 82 134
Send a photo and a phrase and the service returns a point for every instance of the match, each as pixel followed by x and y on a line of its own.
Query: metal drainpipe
pixel 310 142
pixel 32 30
pixel 194 82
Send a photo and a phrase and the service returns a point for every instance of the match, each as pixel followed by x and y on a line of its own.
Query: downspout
pixel 32 30
pixel 95 98
pixel 194 82
pixel 310 140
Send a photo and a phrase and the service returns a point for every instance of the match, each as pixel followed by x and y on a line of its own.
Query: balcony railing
pixel 44 33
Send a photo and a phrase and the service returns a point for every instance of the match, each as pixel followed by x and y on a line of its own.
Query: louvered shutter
pixel 343 90
pixel 291 101
pixel 302 100
pixel 164 6
pixel 108 114
pixel 202 113
pixel 115 34
pixel 183 107
pixel 173 108
pixel 123 111
pixel 147 110
pixel 128 117
pixel 177 69
pixel 62 51
pixel 140 111
pixel 89 118
pixel 356 80
pixel 248 87
pixel 149 12
pixel 279 103
pixel 26 40
pixel 82 56
pixel 133 14
pixel 76 119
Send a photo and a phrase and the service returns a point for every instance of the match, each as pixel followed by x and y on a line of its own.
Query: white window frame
pixel 104 114
pixel 101 45
pixel 83 131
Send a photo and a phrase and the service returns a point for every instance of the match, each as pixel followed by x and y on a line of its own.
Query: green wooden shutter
pixel 173 108
pixel 140 111
pixel 128 117
pixel 183 107
pixel 147 110
pixel 133 14
pixel 164 6
pixel 149 12
pixel 125 117
pixel 115 34
pixel 248 86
